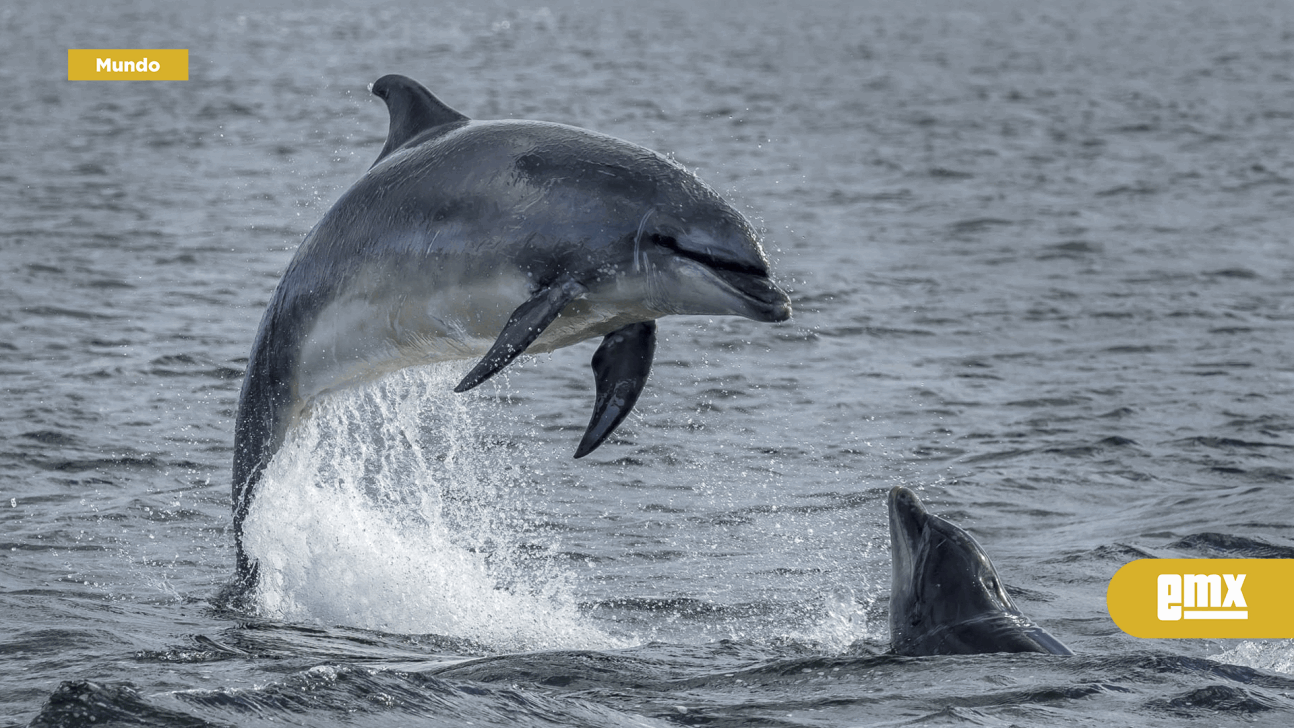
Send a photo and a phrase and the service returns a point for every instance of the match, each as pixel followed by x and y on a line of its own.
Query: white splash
pixel 1274 655
pixel 845 619
pixel 383 511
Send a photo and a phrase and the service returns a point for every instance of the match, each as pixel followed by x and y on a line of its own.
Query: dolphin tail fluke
pixel 620 366
pixel 527 323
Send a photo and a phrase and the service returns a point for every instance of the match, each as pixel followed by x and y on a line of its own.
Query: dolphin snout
pixel 769 307
pixel 901 497
pixel 907 514
pixel 766 301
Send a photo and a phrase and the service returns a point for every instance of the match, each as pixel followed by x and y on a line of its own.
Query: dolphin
pixel 946 597
pixel 484 240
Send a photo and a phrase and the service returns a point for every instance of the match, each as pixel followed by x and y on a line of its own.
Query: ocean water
pixel 1042 266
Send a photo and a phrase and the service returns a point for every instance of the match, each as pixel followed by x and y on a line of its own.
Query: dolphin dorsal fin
pixel 413 110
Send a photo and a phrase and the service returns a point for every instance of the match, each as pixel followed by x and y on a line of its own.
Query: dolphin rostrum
pixel 946 597
pixel 486 239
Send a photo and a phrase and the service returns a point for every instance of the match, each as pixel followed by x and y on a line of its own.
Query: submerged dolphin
pixel 946 598
pixel 487 239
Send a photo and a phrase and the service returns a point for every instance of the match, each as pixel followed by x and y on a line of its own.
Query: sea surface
pixel 1041 257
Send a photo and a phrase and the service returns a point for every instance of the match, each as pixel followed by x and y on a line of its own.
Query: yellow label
pixel 135 64
pixel 1210 598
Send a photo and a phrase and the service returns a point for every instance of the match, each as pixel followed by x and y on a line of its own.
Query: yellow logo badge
pixel 1210 598
pixel 121 64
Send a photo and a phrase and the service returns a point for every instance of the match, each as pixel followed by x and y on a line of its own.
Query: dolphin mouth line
pixel 759 291
pixel 748 281
pixel 671 243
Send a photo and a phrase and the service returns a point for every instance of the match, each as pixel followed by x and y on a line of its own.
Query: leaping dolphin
pixel 488 239
pixel 946 597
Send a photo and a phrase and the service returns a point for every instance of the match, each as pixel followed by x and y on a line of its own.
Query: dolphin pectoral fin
pixel 527 323
pixel 620 366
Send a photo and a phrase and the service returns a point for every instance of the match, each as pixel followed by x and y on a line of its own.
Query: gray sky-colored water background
pixel 1041 263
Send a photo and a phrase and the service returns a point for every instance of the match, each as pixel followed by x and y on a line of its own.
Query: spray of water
pixel 1274 655
pixel 393 507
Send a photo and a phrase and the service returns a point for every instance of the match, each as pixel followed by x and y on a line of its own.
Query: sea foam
pixel 395 507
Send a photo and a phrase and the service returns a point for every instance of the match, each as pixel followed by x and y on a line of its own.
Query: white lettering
pixel 1170 593
pixel 1200 597
pixel 1235 598
pixel 1202 590
pixel 108 65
